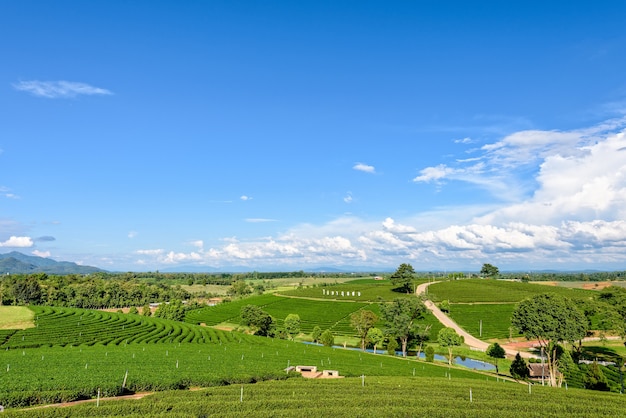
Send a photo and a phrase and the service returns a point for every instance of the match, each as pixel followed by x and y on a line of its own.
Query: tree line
pixel 90 292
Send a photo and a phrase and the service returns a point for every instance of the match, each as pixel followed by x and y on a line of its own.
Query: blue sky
pixel 280 135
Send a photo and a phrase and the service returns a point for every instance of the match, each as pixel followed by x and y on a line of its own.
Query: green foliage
pixel 175 310
pixel 239 288
pixel 594 378
pixel 133 310
pixel 519 368
pixel 429 353
pixel 145 310
pixel 327 338
pixel 550 319
pixel 444 306
pixel 259 321
pixel 392 346
pixel 401 317
pixel 375 337
pixel 495 351
pixel 362 321
pixel 489 270
pixel 403 277
pixel 292 325
pixel 448 338
pixel 316 334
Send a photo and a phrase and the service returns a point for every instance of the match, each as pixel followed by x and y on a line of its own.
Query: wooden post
pixel 98 400
pixel 124 383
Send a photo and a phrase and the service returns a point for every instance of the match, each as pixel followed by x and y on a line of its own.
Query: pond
pixel 460 361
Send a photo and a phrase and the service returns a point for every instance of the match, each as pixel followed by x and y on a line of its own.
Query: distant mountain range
pixel 18 263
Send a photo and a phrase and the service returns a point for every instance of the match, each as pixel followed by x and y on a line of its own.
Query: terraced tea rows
pixel 52 374
pixel 371 397
pixel 72 326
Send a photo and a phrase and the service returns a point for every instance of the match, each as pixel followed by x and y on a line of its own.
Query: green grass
pixel 496 319
pixel 499 291
pixel 371 397
pixel 16 317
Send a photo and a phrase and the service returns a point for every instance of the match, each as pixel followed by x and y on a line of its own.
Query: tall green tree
pixel 449 339
pixel 259 321
pixel 316 334
pixel 362 321
pixel 489 270
pixel 519 368
pixel 375 337
pixel 327 338
pixel 400 317
pixel 550 319
pixel 292 325
pixel 495 351
pixel 403 277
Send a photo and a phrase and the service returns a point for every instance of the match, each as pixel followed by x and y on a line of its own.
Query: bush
pixel 392 345
pixel 429 352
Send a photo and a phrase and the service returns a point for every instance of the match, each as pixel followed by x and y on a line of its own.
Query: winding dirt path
pixel 469 339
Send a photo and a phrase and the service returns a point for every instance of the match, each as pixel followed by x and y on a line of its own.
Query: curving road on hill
pixel 469 339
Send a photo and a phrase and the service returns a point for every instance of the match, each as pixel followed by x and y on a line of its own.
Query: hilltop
pixel 18 263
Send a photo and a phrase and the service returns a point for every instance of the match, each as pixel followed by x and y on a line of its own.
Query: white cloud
pixel 197 243
pixel 17 242
pixel 573 217
pixel 44 254
pixel 348 197
pixel 259 220
pixel 245 198
pixel 364 168
pixel 132 234
pixel 59 89
pixel 465 140
pixel 154 252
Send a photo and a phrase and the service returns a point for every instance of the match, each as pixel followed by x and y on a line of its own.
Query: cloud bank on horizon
pixel 573 216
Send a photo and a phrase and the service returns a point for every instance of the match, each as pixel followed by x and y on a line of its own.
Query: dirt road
pixel 469 339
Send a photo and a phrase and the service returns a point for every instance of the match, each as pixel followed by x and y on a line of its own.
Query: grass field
pixel 495 317
pixel 16 317
pixel 498 291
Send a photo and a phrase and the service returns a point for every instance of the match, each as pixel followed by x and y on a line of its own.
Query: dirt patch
pixel 596 285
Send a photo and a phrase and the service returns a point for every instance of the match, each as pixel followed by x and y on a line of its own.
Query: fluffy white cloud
pixel 59 89
pixel 17 242
pixel 364 168
pixel 245 198
pixel 44 254
pixel 573 217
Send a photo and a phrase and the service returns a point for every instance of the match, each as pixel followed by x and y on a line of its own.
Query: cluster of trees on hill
pixel 77 291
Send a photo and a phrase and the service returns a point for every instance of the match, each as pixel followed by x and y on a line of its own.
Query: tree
pixel 392 346
pixel 133 310
pixel 489 270
pixel 519 368
pixel 429 353
pixel 403 277
pixel 239 288
pixel 375 337
pixel 550 319
pixel 259 321
pixel 495 351
pixel 422 335
pixel 292 325
pixel 594 378
pixel 448 338
pixel 400 318
pixel 316 334
pixel 327 338
pixel 362 321
pixel 146 311
pixel 174 310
